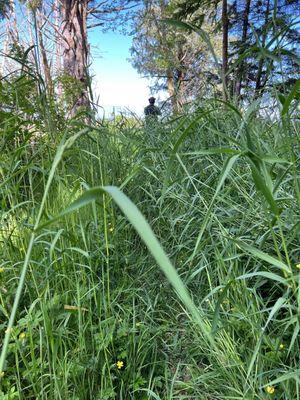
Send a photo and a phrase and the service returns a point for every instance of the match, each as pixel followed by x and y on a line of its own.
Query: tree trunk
pixel 29 30
pixel 5 50
pixel 46 66
pixel 180 79
pixel 261 61
pixel 13 25
pixel 58 46
pixel 172 91
pixel 240 71
pixel 11 35
pixel 225 27
pixel 180 89
pixel 75 48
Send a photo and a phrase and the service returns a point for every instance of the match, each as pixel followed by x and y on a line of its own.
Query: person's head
pixel 152 100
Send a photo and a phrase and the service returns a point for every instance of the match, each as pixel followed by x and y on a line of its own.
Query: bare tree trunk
pixel 13 26
pixel 225 27
pixel 58 46
pixel 29 25
pixel 240 70
pixel 11 35
pixel 261 61
pixel 75 48
pixel 46 66
pixel 180 79
pixel 5 49
pixel 180 89
pixel 172 90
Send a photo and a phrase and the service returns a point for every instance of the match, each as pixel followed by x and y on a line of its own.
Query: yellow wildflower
pixel 22 335
pixel 270 389
pixel 120 364
pixel 281 346
pixel 298 266
pixel 1 270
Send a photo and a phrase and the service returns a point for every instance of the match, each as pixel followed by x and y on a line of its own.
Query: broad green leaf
pixel 268 275
pixel 274 159
pixel 217 150
pixel 285 377
pixel 263 256
pixel 139 222
pixel 292 95
pixel 263 188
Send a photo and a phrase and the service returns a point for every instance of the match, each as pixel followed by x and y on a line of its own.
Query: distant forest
pixel 238 50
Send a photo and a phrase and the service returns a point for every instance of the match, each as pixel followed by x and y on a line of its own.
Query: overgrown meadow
pixel 148 262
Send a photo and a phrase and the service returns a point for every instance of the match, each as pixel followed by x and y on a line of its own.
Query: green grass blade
pixel 59 154
pixel 139 222
pixel 225 172
pixel 263 188
pixel 294 94
pixel 263 256
pixel 290 375
pixel 268 275
pixel 279 303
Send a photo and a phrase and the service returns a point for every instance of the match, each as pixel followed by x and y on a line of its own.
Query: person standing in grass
pixel 152 111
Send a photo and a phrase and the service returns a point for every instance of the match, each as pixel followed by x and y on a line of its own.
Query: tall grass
pixel 86 282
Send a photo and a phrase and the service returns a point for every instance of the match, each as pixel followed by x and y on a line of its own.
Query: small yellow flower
pixel 1 270
pixel 298 266
pixel 270 389
pixel 22 335
pixel 120 364
pixel 281 346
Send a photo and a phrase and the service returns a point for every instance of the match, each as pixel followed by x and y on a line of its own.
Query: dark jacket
pixel 152 110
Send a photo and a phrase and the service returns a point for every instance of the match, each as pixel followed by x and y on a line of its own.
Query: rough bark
pixel 75 47
pixel 225 28
pixel 240 70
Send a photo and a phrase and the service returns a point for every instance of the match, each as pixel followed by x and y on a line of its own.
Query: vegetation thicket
pixel 101 309
pixel 159 260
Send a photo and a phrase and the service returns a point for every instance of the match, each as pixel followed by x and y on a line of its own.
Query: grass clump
pixel 96 317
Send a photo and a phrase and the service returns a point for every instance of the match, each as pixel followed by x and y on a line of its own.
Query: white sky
pixel 116 82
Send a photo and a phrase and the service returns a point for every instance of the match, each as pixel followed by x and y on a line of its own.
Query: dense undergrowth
pixel 97 318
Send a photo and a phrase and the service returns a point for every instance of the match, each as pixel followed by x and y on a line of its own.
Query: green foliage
pixel 34 4
pixel 262 51
pixel 214 205
pixel 72 89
